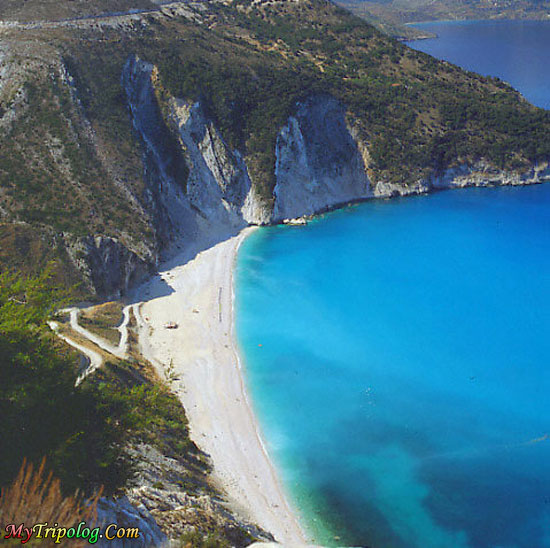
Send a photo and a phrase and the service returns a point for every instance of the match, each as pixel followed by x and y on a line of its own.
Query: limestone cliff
pixel 195 189
pixel 198 190
pixel 319 164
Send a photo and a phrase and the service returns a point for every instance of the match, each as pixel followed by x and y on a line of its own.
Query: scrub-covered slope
pixel 122 133
pixel 389 15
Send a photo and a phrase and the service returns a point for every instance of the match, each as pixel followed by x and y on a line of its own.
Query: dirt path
pixel 94 358
pixel 178 7
pixel 119 351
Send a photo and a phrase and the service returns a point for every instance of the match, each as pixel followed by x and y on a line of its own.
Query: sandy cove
pixel 198 296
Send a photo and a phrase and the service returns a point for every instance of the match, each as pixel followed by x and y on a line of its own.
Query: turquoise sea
pixel 398 357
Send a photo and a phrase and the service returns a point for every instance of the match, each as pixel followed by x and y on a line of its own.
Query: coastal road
pixel 169 9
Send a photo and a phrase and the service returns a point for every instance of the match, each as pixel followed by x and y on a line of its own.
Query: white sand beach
pixel 198 297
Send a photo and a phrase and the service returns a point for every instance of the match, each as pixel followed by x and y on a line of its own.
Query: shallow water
pixel 403 373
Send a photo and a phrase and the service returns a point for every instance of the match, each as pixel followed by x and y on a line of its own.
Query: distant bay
pixel 397 354
pixel 514 51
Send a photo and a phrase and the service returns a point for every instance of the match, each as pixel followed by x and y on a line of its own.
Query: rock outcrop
pixel 108 267
pixel 484 174
pixel 126 515
pixel 198 189
pixel 319 164
pixel 156 499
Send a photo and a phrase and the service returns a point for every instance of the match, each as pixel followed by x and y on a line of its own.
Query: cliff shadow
pixel 179 253
pixel 152 287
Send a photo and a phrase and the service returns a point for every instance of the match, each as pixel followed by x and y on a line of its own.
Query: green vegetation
pixel 149 411
pixel 419 115
pixel 72 162
pixel 57 183
pixel 253 64
pixel 43 414
pixel 26 249
pixel 49 171
pixel 82 431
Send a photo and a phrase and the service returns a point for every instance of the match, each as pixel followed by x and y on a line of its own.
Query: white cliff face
pixel 218 182
pixel 483 174
pixel 480 174
pixel 198 190
pixel 385 189
pixel 319 164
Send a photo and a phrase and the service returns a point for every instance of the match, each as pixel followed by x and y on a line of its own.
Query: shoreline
pixel 201 361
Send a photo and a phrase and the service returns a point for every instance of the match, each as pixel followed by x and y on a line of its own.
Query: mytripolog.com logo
pixel 78 532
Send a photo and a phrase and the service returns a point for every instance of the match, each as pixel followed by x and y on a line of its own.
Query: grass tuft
pixel 35 496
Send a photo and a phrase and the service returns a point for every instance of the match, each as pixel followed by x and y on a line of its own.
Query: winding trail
pixel 94 358
pixel 120 351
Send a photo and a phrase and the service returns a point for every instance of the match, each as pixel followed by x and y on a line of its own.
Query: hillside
pixel 390 15
pixel 116 425
pixel 12 10
pixel 131 131
pixel 122 133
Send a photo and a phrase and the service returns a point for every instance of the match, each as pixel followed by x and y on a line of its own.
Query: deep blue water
pixel 515 51
pixel 398 357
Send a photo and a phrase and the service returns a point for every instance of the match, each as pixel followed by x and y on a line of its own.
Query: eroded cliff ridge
pixel 125 133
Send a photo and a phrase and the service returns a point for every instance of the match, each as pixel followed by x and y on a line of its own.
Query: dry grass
pixel 35 497
pixel 103 320
pixel 66 330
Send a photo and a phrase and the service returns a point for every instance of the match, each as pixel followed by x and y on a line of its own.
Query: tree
pixel 42 412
